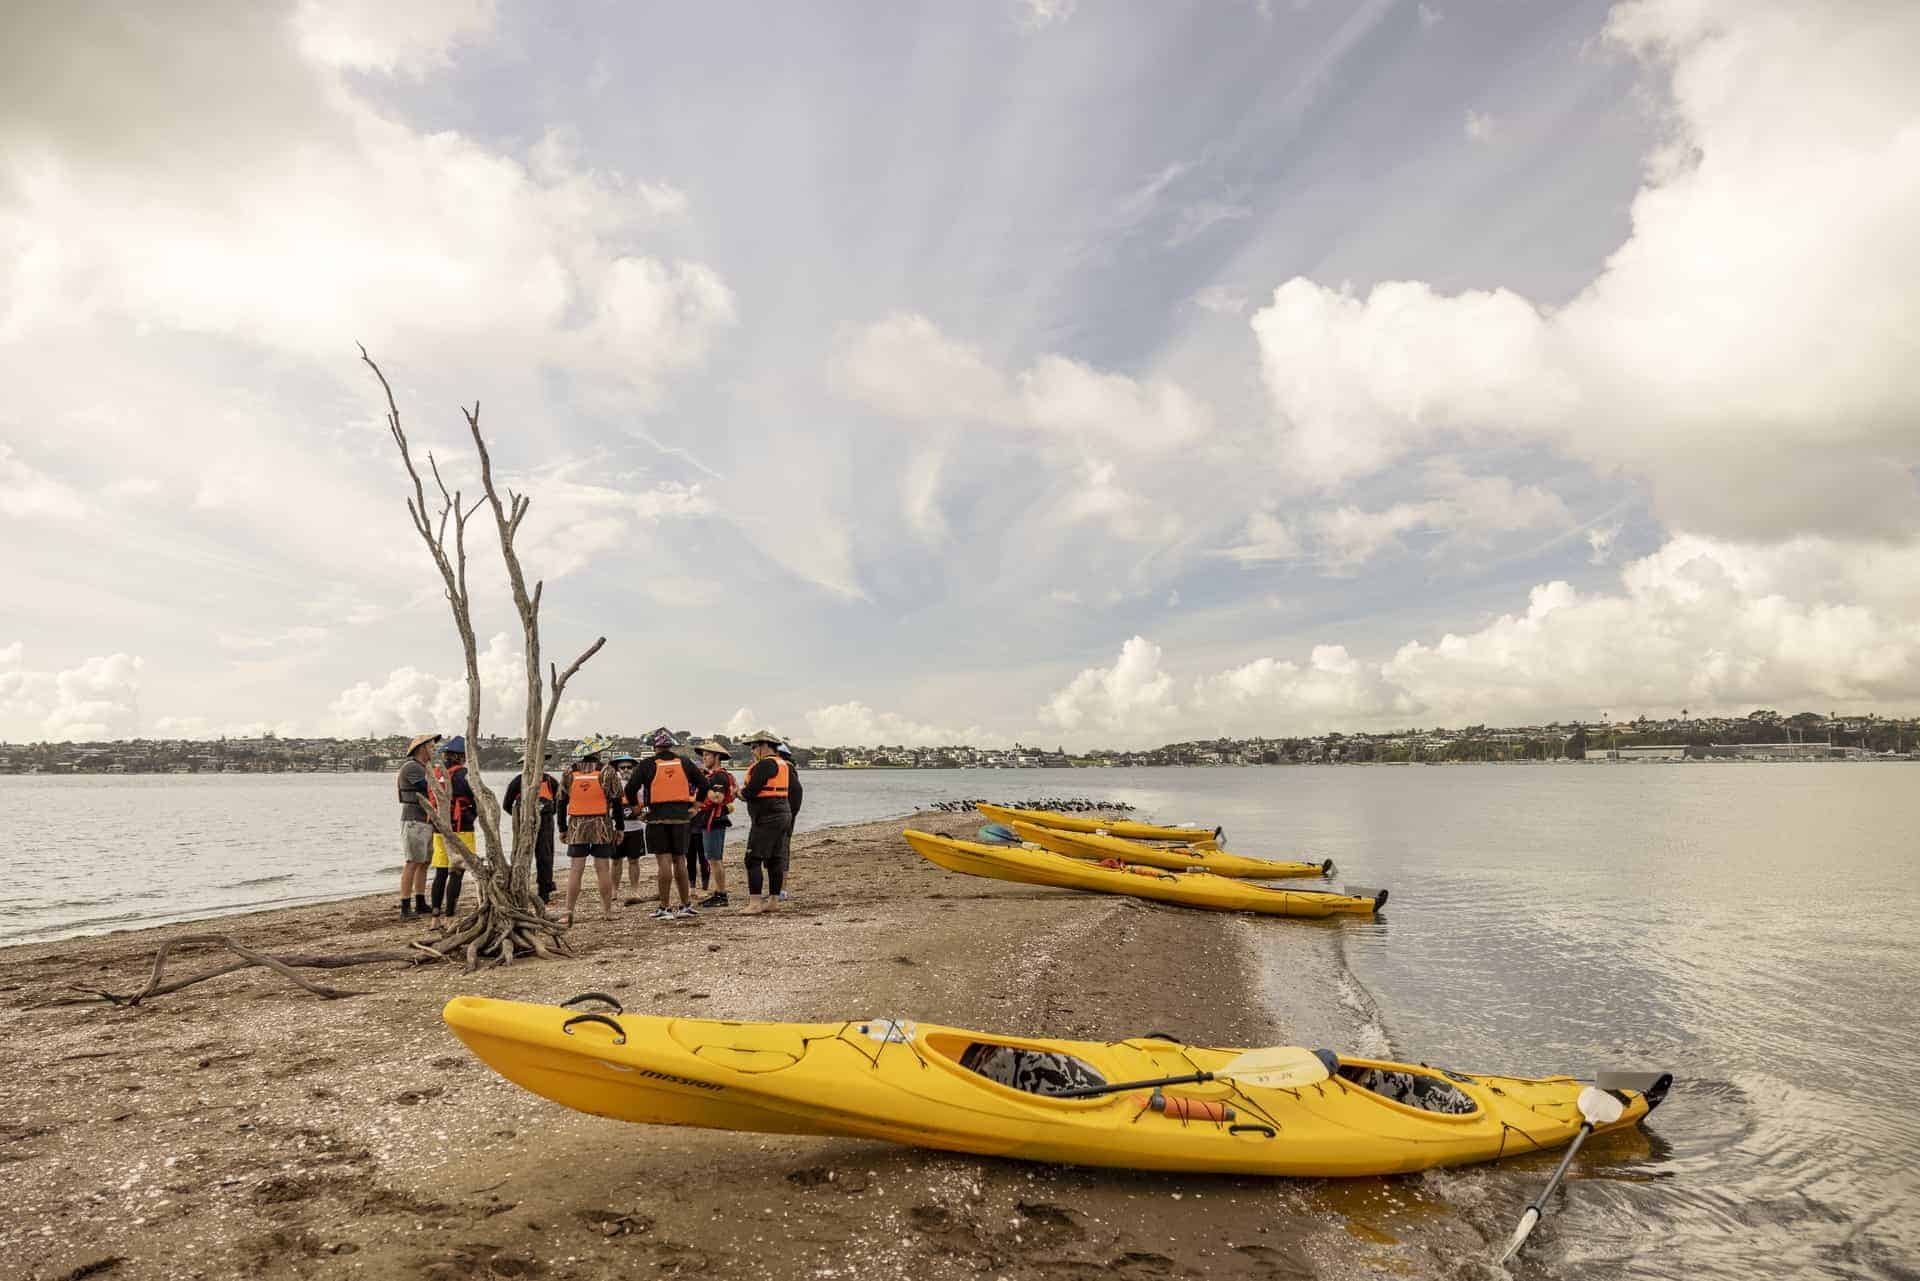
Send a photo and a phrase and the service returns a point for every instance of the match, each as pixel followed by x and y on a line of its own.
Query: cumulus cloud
pixel 1132 699
pixel 100 698
pixel 743 721
pixel 413 701
pixel 1748 348
pixel 1703 623
pixel 1479 126
pixel 854 724
pixel 1044 13
pixel 905 366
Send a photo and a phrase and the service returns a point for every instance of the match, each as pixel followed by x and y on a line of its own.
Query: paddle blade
pixel 999 834
pixel 1278 1067
pixel 1599 1107
pixel 1520 1234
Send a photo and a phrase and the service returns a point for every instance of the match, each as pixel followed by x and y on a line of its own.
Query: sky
pixel 1062 371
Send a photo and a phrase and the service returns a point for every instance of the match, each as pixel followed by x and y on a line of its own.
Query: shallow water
pixel 1753 928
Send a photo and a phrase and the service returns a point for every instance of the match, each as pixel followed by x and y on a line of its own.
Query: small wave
pixel 261 880
pixel 1371 1038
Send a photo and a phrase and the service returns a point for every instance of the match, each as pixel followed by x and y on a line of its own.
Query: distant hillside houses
pixel 1760 735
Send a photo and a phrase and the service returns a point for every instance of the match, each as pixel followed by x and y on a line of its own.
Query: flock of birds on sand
pixel 1052 804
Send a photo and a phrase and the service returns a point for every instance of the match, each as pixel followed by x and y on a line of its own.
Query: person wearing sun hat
pixel 769 790
pixel 589 802
pixel 710 821
pixel 450 865
pixel 633 830
pixel 416 832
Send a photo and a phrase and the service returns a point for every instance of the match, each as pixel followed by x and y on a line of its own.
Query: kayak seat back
pixel 1412 1089
pixel 1044 1072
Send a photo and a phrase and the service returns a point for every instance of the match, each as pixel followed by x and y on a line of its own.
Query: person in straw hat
pixel 416 832
pixel 769 791
pixel 710 821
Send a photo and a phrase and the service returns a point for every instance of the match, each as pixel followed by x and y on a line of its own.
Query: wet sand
pixel 246 1128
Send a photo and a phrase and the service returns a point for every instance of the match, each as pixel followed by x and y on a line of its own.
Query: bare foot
pixel 753 908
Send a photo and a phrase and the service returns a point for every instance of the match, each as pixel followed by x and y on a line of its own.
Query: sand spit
pixel 245 1128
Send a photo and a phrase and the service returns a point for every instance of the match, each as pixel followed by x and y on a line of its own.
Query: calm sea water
pixel 1753 928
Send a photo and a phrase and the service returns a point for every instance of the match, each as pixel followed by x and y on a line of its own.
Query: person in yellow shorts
pixel 450 869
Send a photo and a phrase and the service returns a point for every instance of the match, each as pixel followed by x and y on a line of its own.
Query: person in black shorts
pixel 662 789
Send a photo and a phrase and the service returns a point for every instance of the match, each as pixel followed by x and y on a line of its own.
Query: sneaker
pixel 686 910
pixel 716 899
pixel 660 914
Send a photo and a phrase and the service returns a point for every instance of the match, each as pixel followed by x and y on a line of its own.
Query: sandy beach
pixel 244 1127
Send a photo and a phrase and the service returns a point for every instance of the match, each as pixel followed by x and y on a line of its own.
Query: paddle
pixel 999 834
pixel 1276 1067
pixel 1598 1108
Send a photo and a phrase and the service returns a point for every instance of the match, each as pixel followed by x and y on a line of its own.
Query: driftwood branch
pixel 286 967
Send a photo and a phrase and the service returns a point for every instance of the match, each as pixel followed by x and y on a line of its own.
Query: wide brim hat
pixel 718 749
pixel 593 745
pixel 455 746
pixel 627 757
pixel 418 741
pixel 766 736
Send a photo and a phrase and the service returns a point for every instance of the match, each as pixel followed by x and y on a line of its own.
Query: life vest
pixel 776 788
pixel 462 805
pixel 585 797
pixel 670 783
pixel 546 788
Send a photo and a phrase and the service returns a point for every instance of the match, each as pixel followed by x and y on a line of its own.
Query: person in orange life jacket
pixel 589 801
pixel 771 788
pixel 543 833
pixel 710 822
pixel 633 833
pixel 416 833
pixel 786 842
pixel 450 865
pixel 662 789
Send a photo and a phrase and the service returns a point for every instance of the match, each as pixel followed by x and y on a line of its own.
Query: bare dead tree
pixel 507 918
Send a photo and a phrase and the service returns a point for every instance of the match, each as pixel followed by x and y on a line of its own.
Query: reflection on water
pixel 1753 928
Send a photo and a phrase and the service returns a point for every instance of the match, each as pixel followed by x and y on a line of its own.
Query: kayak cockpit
pixel 1422 1091
pixel 1043 1072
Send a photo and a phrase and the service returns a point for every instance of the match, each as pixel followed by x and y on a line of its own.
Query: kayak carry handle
pixel 595 996
pixel 619 1033
pixel 1243 1128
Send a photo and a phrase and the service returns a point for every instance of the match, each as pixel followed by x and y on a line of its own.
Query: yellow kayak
pixel 962 1091
pixel 1189 889
pixel 1177 858
pixel 1110 826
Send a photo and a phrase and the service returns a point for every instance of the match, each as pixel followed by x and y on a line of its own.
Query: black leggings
pixel 697 871
pixel 446 884
pixel 766 847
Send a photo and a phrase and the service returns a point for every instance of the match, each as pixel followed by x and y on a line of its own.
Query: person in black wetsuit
pixel 543 834
pixel 770 789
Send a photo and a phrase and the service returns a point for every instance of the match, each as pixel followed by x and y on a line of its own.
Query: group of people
pixel 612 808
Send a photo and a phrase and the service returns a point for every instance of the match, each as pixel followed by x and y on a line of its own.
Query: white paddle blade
pixel 1599 1107
pixel 1277 1067
pixel 1520 1234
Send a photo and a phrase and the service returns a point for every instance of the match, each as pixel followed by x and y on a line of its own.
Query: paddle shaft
pixel 1539 1206
pixel 1089 1091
